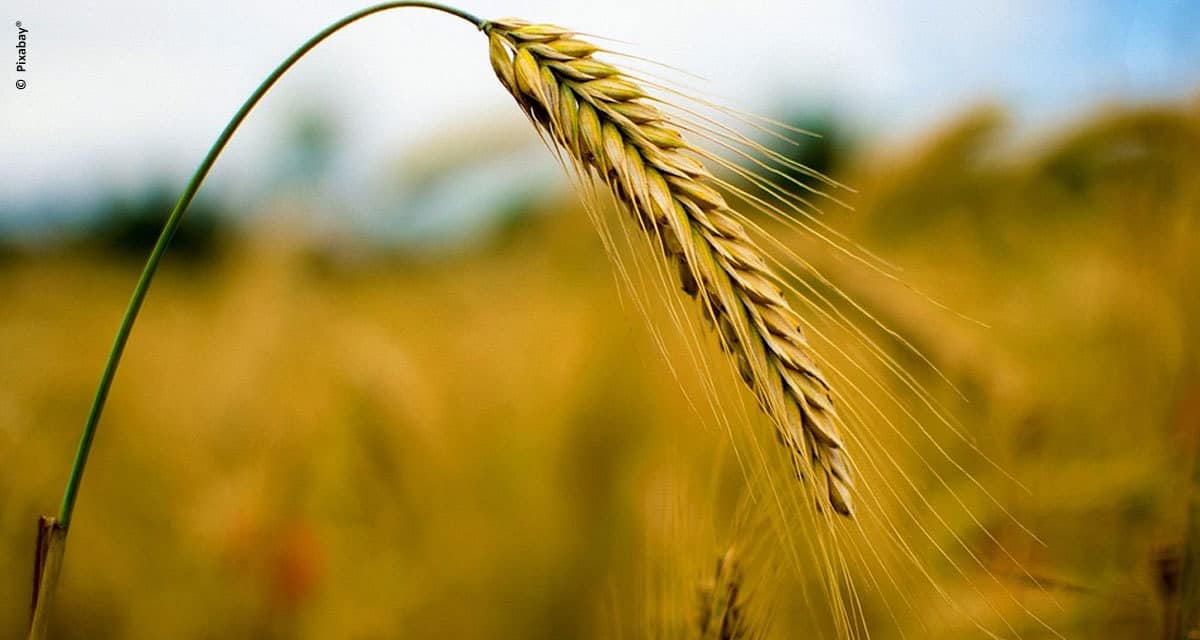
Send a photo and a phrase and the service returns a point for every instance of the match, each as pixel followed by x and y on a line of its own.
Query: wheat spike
pixel 722 616
pixel 610 128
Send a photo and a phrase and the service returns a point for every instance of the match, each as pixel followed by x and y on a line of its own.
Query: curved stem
pixel 52 533
pixel 160 247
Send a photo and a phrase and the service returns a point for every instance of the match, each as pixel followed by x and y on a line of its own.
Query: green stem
pixel 160 247
pixel 172 223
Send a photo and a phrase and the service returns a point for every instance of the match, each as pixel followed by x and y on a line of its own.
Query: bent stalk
pixel 52 532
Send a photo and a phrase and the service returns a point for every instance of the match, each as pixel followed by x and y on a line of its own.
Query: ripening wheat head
pixel 609 127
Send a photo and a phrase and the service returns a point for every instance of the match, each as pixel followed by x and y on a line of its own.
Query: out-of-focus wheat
pixel 610 128
pixel 722 614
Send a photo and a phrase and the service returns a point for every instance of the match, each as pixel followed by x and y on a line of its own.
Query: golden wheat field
pixel 541 337
pixel 316 441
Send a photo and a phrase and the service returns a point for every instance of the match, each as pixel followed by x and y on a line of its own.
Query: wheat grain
pixel 612 129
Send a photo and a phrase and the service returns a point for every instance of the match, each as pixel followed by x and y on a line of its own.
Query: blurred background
pixel 386 382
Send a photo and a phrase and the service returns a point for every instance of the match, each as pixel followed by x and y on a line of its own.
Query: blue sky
pixel 125 91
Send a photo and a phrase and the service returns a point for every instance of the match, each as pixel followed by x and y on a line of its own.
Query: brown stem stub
pixel 47 562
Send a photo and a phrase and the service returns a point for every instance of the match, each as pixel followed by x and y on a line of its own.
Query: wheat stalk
pixel 601 118
pixel 610 128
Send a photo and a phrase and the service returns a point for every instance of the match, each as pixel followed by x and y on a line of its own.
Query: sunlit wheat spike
pixel 609 127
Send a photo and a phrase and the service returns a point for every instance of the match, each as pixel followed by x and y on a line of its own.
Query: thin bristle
pixel 609 127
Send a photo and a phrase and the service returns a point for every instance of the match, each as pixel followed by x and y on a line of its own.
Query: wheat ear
pixel 610 128
pixel 722 616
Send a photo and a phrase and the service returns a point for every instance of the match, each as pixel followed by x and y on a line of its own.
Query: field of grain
pixel 486 442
